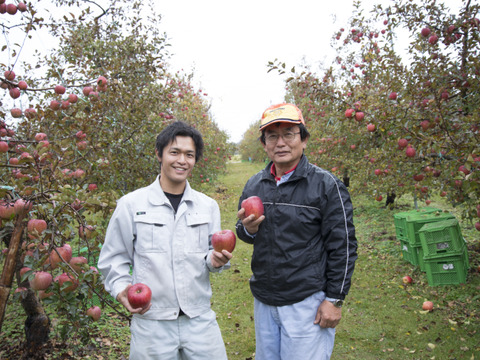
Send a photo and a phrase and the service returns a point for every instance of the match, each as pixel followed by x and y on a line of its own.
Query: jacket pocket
pixel 197 241
pixel 153 234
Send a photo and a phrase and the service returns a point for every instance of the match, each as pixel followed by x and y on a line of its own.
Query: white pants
pixel 198 338
pixel 288 333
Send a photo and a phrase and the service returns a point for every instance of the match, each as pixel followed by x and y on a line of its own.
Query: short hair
pixel 179 128
pixel 303 132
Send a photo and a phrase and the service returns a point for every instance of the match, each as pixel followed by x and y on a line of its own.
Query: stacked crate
pixel 409 249
pixel 432 240
pixel 445 253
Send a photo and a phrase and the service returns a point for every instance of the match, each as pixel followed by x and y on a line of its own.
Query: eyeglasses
pixel 273 138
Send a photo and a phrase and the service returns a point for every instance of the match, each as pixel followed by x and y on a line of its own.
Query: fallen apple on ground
pixel 224 240
pixel 427 305
pixel 139 295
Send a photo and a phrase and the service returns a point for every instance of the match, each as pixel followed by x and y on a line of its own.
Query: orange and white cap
pixel 284 112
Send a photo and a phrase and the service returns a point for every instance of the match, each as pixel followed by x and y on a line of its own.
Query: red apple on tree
pixel 139 295
pixel 224 240
pixel 359 115
pixel 349 113
pixel 94 312
pixel 253 205
pixel 35 228
pixel 41 280
pixel 60 90
pixel 392 96
pixel 76 263
pixel 65 279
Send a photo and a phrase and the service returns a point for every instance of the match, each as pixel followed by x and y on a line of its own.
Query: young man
pixel 304 246
pixel 163 232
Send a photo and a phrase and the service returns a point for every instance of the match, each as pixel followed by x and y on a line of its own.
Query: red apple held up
pixel 427 305
pixel 407 279
pixel 41 281
pixel 253 205
pixel 139 295
pixel 94 312
pixel 224 240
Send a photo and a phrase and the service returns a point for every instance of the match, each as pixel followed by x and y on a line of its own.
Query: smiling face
pixel 284 154
pixel 177 162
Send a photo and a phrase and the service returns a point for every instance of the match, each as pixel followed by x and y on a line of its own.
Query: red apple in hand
pixel 139 295
pixel 253 205
pixel 224 240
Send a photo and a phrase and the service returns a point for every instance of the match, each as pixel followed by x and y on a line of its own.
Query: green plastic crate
pixel 448 270
pixel 399 220
pixel 441 238
pixel 415 222
pixel 409 252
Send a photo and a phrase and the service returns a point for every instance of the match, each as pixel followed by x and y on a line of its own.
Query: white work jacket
pixel 168 251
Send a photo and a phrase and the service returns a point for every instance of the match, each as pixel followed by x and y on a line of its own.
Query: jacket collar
pixel 156 196
pixel 300 170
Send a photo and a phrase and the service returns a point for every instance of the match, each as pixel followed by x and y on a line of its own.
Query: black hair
pixel 304 134
pixel 179 128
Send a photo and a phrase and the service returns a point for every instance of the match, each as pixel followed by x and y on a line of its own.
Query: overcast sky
pixel 228 45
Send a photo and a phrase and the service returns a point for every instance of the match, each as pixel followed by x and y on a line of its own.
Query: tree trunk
pixel 37 324
pixel 10 265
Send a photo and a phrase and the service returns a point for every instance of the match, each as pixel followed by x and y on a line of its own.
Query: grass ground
pixel 382 318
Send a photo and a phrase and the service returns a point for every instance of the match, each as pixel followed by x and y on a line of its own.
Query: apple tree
pixel 397 119
pixel 77 133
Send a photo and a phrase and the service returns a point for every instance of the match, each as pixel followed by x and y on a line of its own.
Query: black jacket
pixel 306 242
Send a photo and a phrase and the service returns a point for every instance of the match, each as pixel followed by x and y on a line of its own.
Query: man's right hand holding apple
pixel 249 222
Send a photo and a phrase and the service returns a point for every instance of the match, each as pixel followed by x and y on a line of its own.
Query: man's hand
pixel 220 258
pixel 249 222
pixel 328 315
pixel 122 298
